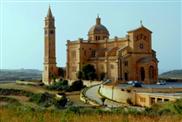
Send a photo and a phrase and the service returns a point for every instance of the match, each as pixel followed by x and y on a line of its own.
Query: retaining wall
pixel 115 93
pixel 86 82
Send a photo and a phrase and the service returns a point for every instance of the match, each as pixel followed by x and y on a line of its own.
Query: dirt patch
pixel 20 98
pixel 29 88
pixel 3 103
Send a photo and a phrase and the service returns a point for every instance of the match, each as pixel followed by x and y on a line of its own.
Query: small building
pixel 148 99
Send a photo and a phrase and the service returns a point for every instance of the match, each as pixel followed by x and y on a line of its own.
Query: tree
pixel 76 86
pixel 79 75
pixel 53 78
pixel 88 71
pixel 61 72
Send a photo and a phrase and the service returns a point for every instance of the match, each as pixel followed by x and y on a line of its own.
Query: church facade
pixel 120 59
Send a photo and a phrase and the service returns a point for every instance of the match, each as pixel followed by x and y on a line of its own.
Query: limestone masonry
pixel 50 69
pixel 121 59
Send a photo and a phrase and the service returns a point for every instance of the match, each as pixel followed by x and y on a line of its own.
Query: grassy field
pixel 74 96
pixel 28 115
pixel 15 106
pixel 34 89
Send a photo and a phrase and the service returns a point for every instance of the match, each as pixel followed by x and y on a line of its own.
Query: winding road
pixel 92 93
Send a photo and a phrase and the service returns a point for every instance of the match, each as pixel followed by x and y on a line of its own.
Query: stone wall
pixel 115 93
pixel 139 96
pixel 85 82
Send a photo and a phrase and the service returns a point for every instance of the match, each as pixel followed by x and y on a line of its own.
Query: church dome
pixel 98 30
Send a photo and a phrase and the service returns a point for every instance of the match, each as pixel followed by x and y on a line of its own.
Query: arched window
pixel 141 46
pixel 151 72
pixel 51 31
pixel 93 53
pixel 142 74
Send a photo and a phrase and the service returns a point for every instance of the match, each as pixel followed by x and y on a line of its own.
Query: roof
pixel 98 29
pixel 146 59
pixel 49 13
pixel 178 95
pixel 141 27
pixel 112 52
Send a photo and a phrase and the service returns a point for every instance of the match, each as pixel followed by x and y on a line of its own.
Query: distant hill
pixel 20 74
pixel 173 74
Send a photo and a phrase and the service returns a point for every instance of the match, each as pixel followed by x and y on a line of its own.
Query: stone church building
pixel 121 59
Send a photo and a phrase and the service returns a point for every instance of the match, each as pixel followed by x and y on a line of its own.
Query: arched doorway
pixel 126 76
pixel 142 74
pixel 151 72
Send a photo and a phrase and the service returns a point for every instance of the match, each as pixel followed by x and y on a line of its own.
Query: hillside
pixel 19 74
pixel 173 74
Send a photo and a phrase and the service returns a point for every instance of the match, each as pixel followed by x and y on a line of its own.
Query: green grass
pixel 9 100
pixel 166 108
pixel 76 114
pixel 14 111
pixel 42 99
pixel 14 92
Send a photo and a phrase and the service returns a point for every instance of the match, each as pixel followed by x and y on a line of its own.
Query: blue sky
pixel 22 23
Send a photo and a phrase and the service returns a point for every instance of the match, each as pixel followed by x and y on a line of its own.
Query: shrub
pixel 79 75
pixel 14 92
pixel 166 108
pixel 73 109
pixel 178 106
pixel 65 82
pixel 61 102
pixel 164 111
pixel 89 72
pixel 129 101
pixel 133 111
pixel 61 85
pixel 61 72
pixel 76 86
pixel 44 99
pixel 10 100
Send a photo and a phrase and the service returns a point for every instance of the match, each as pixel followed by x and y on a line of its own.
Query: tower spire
pixel 49 13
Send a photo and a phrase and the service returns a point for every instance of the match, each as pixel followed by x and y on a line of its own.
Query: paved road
pixel 92 93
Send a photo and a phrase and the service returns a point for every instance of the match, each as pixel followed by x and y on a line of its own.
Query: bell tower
pixel 50 69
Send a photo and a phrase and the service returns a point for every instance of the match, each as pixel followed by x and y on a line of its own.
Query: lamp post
pixel 112 93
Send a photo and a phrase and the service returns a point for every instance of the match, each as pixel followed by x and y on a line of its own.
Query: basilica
pixel 121 59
